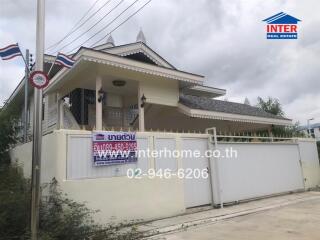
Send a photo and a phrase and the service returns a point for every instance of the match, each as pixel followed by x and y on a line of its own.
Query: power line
pixel 79 36
pixel 127 19
pixel 84 15
pixel 74 29
pixel 107 25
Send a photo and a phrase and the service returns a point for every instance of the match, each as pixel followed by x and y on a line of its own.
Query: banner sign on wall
pixel 114 148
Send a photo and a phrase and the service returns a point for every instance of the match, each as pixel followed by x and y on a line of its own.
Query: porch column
pixel 270 133
pixel 98 104
pixel 141 111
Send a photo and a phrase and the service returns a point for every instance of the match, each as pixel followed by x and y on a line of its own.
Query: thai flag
pixel 10 52
pixel 64 60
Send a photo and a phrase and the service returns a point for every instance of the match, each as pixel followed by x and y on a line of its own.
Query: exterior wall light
pixel 143 100
pixel 102 95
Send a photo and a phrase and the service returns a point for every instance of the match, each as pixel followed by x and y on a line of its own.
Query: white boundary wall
pixel 261 169
pixel 67 157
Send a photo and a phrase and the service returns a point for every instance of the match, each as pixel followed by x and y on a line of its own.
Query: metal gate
pixel 197 190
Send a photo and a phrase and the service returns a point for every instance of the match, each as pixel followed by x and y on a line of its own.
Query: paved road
pixel 300 221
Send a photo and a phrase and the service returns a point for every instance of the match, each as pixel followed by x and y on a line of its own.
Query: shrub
pixel 14 202
pixel 60 217
pixel 63 218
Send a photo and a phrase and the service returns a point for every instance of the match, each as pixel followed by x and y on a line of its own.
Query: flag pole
pixel 24 59
pixel 52 65
pixel 37 123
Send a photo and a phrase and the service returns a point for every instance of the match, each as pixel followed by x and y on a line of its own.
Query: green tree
pixel 271 105
pixel 8 128
pixel 14 188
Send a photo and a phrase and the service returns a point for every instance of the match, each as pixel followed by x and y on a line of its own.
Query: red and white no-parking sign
pixel 39 79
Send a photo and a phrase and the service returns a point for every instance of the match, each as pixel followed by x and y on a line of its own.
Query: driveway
pixel 290 217
pixel 300 221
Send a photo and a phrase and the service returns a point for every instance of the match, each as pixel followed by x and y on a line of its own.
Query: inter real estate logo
pixel 282 26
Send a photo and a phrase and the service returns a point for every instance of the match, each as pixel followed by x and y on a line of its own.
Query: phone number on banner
pixel 182 173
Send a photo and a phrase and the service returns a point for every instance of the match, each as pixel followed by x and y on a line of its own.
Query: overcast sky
pixel 223 40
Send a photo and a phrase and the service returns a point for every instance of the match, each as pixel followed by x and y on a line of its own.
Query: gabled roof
pixel 134 48
pixel 230 110
pixel 85 56
pixel 281 18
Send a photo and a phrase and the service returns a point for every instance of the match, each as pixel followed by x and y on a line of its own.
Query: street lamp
pixel 102 95
pixel 309 130
pixel 143 101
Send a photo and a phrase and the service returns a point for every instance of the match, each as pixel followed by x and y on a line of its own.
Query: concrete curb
pixel 158 233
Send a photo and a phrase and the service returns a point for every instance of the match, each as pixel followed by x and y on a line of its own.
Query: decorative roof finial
pixel 110 40
pixel 141 37
pixel 246 101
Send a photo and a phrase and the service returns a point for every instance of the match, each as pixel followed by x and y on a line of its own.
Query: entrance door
pixel 197 189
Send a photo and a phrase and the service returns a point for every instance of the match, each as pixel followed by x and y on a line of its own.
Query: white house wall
pixel 114 100
pixel 160 91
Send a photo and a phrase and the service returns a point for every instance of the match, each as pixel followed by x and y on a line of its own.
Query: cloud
pixel 12 71
pixel 224 40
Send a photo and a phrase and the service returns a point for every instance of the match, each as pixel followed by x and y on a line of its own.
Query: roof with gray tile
pixel 208 104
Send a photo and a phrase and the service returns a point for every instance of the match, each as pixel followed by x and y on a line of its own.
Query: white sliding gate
pixel 260 169
pixel 197 191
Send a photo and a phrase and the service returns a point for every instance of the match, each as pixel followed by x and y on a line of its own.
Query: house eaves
pixel 204 91
pixel 90 55
pixel 202 107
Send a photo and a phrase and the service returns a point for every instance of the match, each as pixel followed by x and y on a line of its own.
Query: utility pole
pixel 26 81
pixel 37 123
